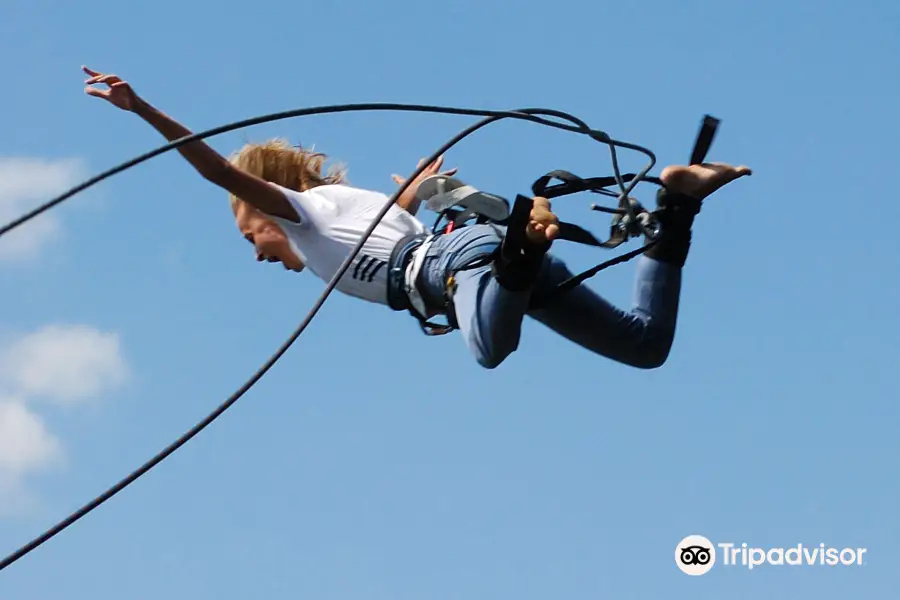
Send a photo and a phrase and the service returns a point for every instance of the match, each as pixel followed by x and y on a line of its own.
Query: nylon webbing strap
pixel 572 184
pixel 514 240
pixel 704 139
pixel 521 213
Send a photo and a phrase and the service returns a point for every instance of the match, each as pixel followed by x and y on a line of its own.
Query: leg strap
pixel 676 217
pixel 518 260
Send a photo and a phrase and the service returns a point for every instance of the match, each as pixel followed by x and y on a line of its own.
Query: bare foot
pixel 699 181
pixel 543 225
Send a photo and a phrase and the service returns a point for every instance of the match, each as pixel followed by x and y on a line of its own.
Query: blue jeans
pixel 490 317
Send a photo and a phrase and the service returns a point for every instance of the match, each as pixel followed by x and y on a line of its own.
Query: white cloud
pixel 63 364
pixel 26 447
pixel 25 443
pixel 24 184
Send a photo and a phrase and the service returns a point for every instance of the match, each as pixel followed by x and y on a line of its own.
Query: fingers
pixel 94 74
pixel 433 167
pixel 97 77
pixel 544 217
pixel 551 232
pixel 109 80
pixel 96 93
pixel 542 220
pixel 542 233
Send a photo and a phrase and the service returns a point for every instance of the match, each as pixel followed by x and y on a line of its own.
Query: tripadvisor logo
pixel 696 555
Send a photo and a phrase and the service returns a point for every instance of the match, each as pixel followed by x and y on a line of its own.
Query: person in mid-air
pixel 294 214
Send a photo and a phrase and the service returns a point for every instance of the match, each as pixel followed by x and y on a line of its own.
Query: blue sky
pixel 358 468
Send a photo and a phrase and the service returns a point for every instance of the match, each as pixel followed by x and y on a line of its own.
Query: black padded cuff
pixel 676 217
pixel 518 273
pixel 674 203
pixel 518 260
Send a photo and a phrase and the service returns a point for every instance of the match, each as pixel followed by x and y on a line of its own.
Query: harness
pixel 403 276
pixel 458 204
pixel 405 265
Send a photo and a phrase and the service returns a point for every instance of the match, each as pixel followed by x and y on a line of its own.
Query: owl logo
pixel 695 555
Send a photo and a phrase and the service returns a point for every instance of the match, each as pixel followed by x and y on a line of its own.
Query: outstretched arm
pixel 209 164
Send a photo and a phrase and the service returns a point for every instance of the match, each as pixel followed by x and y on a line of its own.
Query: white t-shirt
pixel 333 218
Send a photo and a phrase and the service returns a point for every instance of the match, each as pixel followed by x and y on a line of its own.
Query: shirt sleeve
pixel 313 207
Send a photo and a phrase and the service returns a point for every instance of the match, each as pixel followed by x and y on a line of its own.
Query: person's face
pixel 268 239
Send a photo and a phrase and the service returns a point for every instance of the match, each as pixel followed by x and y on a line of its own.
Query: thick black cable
pixel 491 116
pixel 525 114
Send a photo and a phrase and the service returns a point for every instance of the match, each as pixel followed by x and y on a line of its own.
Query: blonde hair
pixel 292 167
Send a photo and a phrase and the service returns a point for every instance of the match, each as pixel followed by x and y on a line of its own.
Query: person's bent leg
pixel 641 337
pixel 489 306
pixel 491 300
pixel 489 316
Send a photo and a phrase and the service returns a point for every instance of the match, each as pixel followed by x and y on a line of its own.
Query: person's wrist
pixel 139 106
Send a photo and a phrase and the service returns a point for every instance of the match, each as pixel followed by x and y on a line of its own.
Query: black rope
pixel 575 280
pixel 491 116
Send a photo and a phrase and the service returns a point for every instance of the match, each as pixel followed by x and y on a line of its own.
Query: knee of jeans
pixel 492 355
pixel 651 360
pixel 653 352
pixel 489 361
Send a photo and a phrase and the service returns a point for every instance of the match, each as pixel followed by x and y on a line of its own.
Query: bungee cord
pixel 491 116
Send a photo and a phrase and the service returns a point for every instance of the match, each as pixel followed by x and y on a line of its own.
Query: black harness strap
pixel 704 139
pixel 572 184
pixel 630 219
pixel 628 208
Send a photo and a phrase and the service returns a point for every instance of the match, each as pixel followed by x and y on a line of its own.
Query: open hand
pixel 119 93
pixel 432 169
pixel 407 200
